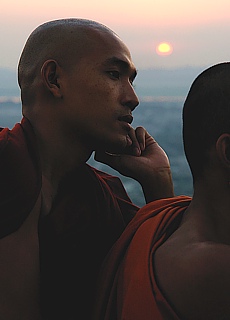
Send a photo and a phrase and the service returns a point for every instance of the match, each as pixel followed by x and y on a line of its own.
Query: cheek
pixel 98 99
pixel 102 99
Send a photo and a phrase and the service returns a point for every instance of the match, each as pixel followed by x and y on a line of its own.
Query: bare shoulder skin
pixel 193 265
pixel 193 270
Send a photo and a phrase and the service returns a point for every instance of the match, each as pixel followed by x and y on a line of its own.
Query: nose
pixel 130 98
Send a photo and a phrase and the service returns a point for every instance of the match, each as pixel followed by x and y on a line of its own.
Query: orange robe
pixel 128 288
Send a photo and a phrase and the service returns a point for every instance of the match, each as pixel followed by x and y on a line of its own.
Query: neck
pixel 209 211
pixel 59 154
pixel 58 158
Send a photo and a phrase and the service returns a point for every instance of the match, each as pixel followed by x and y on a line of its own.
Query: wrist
pixel 158 185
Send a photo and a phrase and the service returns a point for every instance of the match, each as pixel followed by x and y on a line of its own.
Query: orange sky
pixel 198 29
pixel 127 12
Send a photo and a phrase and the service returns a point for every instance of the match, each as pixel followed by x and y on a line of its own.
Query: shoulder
pixel 20 177
pixel 3 137
pixel 116 191
pixel 15 144
pixel 113 182
pixel 195 278
pixel 12 140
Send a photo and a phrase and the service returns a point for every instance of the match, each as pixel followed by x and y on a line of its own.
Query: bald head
pixel 206 115
pixel 64 41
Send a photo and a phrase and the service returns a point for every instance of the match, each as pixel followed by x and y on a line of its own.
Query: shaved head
pixel 206 115
pixel 76 79
pixel 64 40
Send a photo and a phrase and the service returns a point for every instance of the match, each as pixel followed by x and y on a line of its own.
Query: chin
pixel 117 148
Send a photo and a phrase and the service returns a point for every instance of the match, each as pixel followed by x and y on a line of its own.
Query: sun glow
pixel 164 49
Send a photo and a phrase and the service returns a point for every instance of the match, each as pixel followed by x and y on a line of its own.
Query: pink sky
pixel 198 29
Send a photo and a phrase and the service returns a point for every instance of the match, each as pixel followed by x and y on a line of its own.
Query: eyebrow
pixel 124 65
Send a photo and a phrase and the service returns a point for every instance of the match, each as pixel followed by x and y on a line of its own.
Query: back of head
pixel 206 115
pixel 63 40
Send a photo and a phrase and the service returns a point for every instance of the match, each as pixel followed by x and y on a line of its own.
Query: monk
pixel 60 216
pixel 173 259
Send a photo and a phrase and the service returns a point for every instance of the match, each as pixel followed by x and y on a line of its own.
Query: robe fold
pixel 127 286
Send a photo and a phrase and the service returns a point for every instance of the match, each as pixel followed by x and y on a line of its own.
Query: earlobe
pixel 49 73
pixel 223 149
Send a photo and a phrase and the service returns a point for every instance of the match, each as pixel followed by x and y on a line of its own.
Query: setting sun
pixel 164 49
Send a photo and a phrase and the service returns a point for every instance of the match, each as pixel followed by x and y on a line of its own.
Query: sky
pixel 198 30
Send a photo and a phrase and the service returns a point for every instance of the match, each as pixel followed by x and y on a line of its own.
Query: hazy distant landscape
pixel 149 83
pixel 161 92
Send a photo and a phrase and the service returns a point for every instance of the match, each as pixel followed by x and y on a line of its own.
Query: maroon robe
pixel 89 213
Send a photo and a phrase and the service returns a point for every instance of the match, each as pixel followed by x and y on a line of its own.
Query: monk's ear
pixel 223 149
pixel 50 73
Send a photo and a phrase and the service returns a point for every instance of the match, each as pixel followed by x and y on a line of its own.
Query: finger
pixel 141 137
pixel 135 147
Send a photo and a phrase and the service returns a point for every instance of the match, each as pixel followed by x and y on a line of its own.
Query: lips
pixel 128 119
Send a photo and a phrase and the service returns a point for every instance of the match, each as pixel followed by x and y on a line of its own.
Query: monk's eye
pixel 114 74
